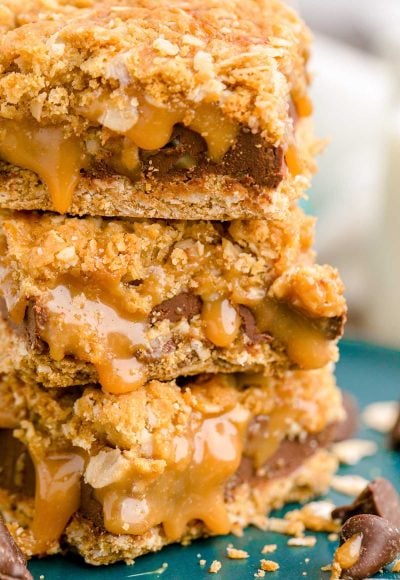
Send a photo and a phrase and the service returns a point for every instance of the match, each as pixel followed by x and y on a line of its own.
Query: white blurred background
pixel 356 194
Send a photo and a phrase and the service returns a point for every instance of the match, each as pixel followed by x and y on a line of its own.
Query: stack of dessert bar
pixel 167 337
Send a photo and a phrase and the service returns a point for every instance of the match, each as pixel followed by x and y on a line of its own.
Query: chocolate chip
pixel 290 455
pixel 349 426
pixel 380 544
pixel 379 498
pixel 394 437
pixel 12 562
pixel 184 305
pixel 250 326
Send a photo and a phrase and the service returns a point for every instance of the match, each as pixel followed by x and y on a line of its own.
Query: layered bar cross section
pixel 162 464
pixel 163 109
pixel 120 302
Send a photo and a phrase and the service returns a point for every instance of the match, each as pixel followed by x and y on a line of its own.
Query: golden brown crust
pixel 248 57
pixel 150 417
pixel 215 197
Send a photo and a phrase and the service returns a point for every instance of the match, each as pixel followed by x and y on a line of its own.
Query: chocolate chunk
pixel 35 321
pixel 250 158
pixel 185 305
pixel 12 562
pixel 90 508
pixel 379 498
pixel 184 145
pixel 291 454
pixel 349 426
pixel 250 326
pixel 3 309
pixel 17 473
pixel 394 436
pixel 380 544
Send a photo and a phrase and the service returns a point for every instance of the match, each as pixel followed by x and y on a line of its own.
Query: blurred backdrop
pixel 356 195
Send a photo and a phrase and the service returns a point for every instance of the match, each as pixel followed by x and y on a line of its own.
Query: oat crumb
pixel 259 574
pixel 396 566
pixel 333 537
pixel 269 549
pixel 326 568
pixel 283 526
pixel 351 485
pixel 381 416
pixel 351 451
pixel 269 565
pixel 306 542
pixel 202 562
pixel 235 554
pixel 215 567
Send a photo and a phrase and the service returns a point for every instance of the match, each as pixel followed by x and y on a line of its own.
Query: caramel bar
pixel 116 476
pixel 120 302
pixel 158 108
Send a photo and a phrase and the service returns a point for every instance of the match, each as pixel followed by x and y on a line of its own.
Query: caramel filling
pixel 91 330
pixel 91 320
pixel 348 554
pixel 306 345
pixel 151 127
pixel 57 496
pixel 47 151
pixel 190 488
pixel 86 327
pixel 57 158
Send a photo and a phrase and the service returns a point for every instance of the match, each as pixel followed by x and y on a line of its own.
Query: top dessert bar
pixel 154 108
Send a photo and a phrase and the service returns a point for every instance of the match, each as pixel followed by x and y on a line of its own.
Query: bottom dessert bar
pixel 114 477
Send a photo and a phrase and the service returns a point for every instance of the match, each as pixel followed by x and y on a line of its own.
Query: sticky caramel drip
pixel 305 345
pixel 95 332
pixel 47 151
pixel 57 497
pixel 191 488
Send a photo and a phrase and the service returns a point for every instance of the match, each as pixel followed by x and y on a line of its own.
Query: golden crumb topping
pixel 245 56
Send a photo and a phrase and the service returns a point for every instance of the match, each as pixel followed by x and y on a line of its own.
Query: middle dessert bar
pixel 120 302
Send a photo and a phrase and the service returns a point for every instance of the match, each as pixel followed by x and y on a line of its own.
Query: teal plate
pixel 370 373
